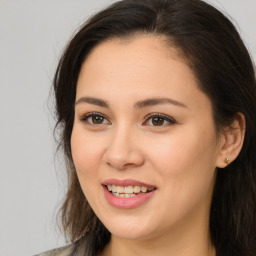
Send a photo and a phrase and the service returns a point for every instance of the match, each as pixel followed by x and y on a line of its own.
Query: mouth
pixel 128 191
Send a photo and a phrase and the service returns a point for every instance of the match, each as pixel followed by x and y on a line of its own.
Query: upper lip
pixel 126 182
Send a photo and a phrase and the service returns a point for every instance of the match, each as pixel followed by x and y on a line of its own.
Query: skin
pixel 178 158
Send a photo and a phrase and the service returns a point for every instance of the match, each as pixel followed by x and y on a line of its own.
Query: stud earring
pixel 227 161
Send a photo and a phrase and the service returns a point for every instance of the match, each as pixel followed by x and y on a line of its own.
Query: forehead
pixel 142 57
pixel 137 68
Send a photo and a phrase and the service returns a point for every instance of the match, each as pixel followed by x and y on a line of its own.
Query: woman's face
pixel 144 128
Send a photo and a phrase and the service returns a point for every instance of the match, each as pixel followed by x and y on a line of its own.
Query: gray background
pixel 32 180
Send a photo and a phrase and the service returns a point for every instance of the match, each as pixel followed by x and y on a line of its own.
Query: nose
pixel 123 150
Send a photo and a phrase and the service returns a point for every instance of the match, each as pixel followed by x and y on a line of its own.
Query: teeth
pixel 136 189
pixel 143 189
pixel 124 195
pixel 119 189
pixel 113 188
pixel 128 190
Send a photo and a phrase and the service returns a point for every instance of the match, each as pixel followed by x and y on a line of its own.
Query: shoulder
pixel 62 251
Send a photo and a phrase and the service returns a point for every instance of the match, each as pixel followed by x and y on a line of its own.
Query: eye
pixel 95 119
pixel 158 120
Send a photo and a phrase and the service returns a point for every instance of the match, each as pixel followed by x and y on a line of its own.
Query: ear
pixel 231 141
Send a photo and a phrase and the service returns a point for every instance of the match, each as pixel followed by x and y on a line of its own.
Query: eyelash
pixel 87 116
pixel 170 120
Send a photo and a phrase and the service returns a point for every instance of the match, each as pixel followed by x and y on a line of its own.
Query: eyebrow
pixel 94 101
pixel 158 101
pixel 138 105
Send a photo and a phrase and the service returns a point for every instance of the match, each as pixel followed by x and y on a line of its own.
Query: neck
pixel 139 248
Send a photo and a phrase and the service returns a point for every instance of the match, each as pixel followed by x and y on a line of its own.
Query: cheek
pixel 186 164
pixel 86 154
pixel 185 150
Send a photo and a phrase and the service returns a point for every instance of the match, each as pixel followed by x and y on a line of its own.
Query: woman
pixel 156 104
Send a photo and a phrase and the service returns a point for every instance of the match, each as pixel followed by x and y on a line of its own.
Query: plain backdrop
pixel 32 180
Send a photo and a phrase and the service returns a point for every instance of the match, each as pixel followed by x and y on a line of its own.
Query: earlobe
pixel 227 161
pixel 231 142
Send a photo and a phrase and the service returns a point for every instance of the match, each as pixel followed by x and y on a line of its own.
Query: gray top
pixel 62 251
pixel 78 248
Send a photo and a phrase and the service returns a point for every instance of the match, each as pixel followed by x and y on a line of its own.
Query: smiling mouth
pixel 128 191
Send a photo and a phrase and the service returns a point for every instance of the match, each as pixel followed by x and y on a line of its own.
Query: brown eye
pixel 157 121
pixel 97 119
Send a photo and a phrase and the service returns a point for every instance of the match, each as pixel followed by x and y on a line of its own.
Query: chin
pixel 126 228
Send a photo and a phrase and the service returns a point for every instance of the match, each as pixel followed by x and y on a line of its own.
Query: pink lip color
pixel 130 202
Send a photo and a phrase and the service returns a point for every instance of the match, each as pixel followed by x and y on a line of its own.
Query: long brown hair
pixel 212 47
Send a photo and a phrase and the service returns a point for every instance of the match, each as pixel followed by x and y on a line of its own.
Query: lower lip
pixel 127 203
